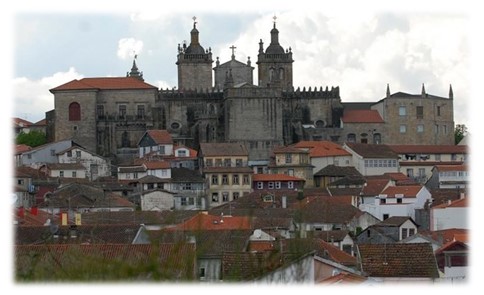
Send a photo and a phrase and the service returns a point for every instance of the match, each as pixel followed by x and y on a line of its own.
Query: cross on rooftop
pixel 233 51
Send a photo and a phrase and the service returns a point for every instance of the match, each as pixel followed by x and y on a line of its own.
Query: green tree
pixel 459 132
pixel 33 138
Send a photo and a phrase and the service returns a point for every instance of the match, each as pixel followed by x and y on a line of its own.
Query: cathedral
pixel 222 103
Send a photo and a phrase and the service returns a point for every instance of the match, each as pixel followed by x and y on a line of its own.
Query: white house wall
pixel 446 218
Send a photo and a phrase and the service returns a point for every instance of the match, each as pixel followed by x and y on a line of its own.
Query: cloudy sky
pixel 359 50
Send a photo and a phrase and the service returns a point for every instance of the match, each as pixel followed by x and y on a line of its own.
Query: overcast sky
pixel 359 50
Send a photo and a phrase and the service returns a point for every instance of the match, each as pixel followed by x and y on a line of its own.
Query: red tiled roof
pixel 447 235
pixel 428 149
pixel 343 278
pixel 361 116
pixel 223 149
pixel 214 222
pixel 160 136
pixel 374 186
pixel 322 148
pixel 406 190
pixel 451 167
pixel 18 122
pixel 20 148
pixel 109 83
pixel 289 149
pixel 454 204
pixel 275 177
pixel 152 165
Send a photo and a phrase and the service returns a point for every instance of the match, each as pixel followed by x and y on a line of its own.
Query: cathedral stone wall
pixel 435 125
pixel 195 75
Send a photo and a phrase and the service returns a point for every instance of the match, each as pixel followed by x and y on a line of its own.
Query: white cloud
pixel 128 47
pixel 32 97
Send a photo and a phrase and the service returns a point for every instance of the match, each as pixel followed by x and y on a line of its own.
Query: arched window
pixel 351 137
pixel 74 112
pixel 281 74
pixel 376 138
pixel 271 74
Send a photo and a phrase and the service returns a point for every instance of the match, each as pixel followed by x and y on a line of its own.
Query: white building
pixel 372 159
pixel 453 214
pixel 96 166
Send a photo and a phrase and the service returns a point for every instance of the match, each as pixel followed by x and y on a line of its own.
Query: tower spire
pixel 135 73
pixel 451 93
pixel 423 90
pixel 388 90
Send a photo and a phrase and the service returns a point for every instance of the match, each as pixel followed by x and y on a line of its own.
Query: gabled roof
pixel 159 136
pixel 322 148
pixel 361 116
pixel 372 150
pixel 289 149
pixel 275 177
pixel 105 83
pixel 446 235
pixel 18 122
pixel 427 149
pixel 333 170
pixel 375 186
pixel 192 153
pixel 153 165
pixel 395 221
pixel 223 149
pixel 21 148
pixel 415 260
pixel 213 222
pixel 408 191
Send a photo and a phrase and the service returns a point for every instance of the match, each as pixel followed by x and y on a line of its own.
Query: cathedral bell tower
pixel 275 64
pixel 194 64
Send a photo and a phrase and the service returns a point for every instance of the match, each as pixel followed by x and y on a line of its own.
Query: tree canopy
pixel 33 138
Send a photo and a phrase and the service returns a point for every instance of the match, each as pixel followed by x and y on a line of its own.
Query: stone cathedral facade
pixel 221 103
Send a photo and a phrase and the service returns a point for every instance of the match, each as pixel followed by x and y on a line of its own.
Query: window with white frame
pixel 270 185
pixel 402 111
pixel 290 184
pixel 260 185
pixel 278 184
pixel 403 128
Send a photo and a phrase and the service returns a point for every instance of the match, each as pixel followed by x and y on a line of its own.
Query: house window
pixel 78 154
pixel 209 162
pixel 191 201
pixel 122 111
pixel 227 162
pixel 52 153
pixel 218 162
pixel 225 179
pixel 69 154
pixel 399 200
pixel 403 128
pixel 150 186
pixel 420 113
pixel 61 173
pixel 20 181
pixel 235 179
pixel 245 179
pixel 437 157
pixel 182 153
pixel 100 111
pixel 410 172
pixel 278 184
pixel 235 195
pixel 215 197
pixel 140 112
pixel 225 196
pixel 411 232
pixel 290 184
pixel 290 172
pixel 420 128
pixel 74 112
pixel 74 174
pixel 445 129
pixel 402 111
pixel 238 162
pixel 383 201
pixel 386 216
pixel 404 233
pixel 270 185
pixel 201 273
pixel 135 175
pixel 260 185
pixel 351 137
pixel 183 201
pixel 376 138
pixel 288 158
pixel 421 172
pixel 215 179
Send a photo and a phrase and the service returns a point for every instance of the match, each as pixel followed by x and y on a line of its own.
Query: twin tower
pixel 195 66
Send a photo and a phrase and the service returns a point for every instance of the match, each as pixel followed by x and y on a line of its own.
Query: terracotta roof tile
pixel 160 136
pixel 21 148
pixel 464 202
pixel 18 122
pixel 372 150
pixel 361 116
pixel 109 83
pixel 153 165
pixel 408 191
pixel 322 148
pixel 213 222
pixel 462 167
pixel 414 260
